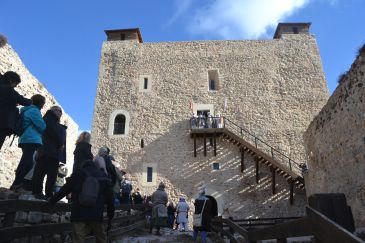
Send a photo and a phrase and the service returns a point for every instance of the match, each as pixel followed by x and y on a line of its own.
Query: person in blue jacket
pixel 33 127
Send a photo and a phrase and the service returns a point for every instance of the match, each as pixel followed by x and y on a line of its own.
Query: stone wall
pixel 273 88
pixel 10 155
pixel 335 142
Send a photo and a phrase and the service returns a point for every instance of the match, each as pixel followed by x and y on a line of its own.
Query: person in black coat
pixel 49 154
pixel 88 218
pixel 82 151
pixel 203 205
pixel 9 99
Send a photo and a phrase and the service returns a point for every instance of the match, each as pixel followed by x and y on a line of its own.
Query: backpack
pixel 126 188
pixel 19 129
pixel 89 192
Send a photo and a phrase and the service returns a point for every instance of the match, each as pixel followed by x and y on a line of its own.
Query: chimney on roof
pixel 124 34
pixel 291 28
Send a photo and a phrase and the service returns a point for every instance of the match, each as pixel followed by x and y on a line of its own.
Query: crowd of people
pixel 95 181
pixel 206 120
pixel 165 214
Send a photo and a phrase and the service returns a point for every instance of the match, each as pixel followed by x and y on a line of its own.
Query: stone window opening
pixel 149 174
pixel 216 166
pixel 119 125
pixel 145 83
pixel 213 80
pixel 295 30
pixel 142 143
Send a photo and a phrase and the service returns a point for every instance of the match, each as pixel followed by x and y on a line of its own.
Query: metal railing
pixel 223 122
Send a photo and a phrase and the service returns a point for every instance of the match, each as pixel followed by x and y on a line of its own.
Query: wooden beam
pixel 293 228
pixel 215 143
pixel 257 170
pixel 194 145
pixel 291 183
pixel 205 144
pixel 10 233
pixel 242 159
pixel 326 230
pixel 273 181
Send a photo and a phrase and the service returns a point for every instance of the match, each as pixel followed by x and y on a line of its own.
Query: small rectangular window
pixel 213 80
pixel 212 85
pixel 149 174
pixel 215 166
pixel 122 36
pixel 145 83
pixel 295 30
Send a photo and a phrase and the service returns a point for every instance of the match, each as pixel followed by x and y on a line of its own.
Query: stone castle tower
pixel 268 91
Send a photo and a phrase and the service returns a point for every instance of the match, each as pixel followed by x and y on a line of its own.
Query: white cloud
pixel 181 7
pixel 232 19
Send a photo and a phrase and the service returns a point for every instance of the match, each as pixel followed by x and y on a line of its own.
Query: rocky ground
pixel 167 235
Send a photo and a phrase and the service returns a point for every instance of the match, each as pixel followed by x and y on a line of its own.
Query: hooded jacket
pixel 33 125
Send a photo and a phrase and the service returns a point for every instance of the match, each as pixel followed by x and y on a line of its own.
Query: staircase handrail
pixel 291 162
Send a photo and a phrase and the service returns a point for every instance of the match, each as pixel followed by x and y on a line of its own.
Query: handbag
pixel 198 218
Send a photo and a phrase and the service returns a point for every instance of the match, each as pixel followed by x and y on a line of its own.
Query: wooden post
pixel 257 170
pixel 205 144
pixel 273 180
pixel 231 230
pixel 291 183
pixel 194 144
pixel 215 143
pixel 242 159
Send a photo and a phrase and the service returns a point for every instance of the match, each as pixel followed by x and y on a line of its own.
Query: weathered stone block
pixel 35 217
pixel 21 217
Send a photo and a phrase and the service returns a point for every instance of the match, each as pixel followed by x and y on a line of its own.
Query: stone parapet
pixel 335 142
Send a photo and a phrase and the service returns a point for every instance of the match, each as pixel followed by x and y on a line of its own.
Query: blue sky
pixel 60 41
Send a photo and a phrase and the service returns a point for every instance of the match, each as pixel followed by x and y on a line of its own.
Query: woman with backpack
pixel 82 151
pixel 9 99
pixel 33 127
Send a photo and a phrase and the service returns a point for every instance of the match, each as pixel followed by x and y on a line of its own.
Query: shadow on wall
pixel 183 174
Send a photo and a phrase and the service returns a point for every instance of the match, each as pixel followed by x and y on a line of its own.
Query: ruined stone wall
pixel 273 88
pixel 10 155
pixel 335 143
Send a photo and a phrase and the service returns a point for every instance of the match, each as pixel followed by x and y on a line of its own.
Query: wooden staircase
pixel 264 154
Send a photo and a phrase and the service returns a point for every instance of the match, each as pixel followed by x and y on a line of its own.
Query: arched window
pixel 119 125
